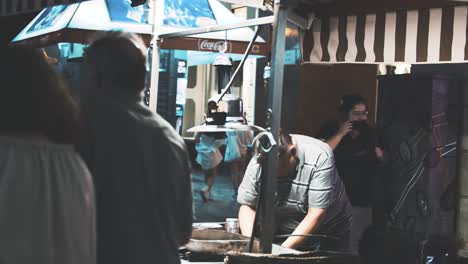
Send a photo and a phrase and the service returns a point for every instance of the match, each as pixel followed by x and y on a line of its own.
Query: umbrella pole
pixel 153 101
pixel 274 98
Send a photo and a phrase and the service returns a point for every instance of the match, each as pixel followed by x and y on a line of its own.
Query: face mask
pixel 360 126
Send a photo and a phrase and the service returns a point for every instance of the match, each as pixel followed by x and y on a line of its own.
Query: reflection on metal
pixel 208 29
pixel 250 3
pixel 267 72
pixel 225 128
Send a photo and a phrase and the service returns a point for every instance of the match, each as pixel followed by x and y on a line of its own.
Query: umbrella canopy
pixel 15 7
pixel 79 22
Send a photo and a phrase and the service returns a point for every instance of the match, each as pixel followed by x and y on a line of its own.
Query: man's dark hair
pixel 284 141
pixel 348 101
pixel 118 60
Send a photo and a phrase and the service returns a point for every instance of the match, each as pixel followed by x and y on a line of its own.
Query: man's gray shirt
pixel 316 184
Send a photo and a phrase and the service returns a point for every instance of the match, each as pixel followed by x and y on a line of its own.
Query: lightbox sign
pixel 188 13
pixel 122 11
pixel 48 18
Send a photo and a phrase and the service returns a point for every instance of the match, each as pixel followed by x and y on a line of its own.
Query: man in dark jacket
pixel 139 163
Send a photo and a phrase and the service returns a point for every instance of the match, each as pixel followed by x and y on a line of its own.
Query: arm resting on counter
pixel 306 227
pixel 246 219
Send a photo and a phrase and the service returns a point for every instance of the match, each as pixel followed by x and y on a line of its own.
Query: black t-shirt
pixel 356 161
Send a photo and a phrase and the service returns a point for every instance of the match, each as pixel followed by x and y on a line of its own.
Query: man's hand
pixel 306 227
pixel 335 140
pixel 345 128
pixel 246 220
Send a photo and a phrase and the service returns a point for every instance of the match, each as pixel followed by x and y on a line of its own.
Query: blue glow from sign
pixel 122 11
pixel 188 13
pixel 48 18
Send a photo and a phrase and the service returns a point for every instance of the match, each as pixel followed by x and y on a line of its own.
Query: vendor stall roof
pixel 434 35
pixel 78 22
pixel 346 7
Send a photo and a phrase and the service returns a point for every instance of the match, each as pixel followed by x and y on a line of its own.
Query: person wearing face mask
pixel 357 155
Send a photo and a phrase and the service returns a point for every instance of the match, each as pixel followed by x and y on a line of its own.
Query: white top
pixel 47 211
pixel 208 154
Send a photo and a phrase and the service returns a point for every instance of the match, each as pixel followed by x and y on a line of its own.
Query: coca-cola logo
pixel 208 45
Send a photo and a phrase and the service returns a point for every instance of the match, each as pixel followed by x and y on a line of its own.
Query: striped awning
pixel 415 36
pixel 15 7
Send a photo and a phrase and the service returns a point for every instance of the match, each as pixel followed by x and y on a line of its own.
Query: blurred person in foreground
pixel 139 163
pixel 310 199
pixel 47 207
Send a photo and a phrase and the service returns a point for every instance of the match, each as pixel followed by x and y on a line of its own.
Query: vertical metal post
pixel 275 95
pixel 158 6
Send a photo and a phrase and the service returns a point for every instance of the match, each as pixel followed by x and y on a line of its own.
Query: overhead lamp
pixel 225 110
pixel 222 60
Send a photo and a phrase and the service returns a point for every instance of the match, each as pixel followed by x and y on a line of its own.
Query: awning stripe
pixel 360 33
pixel 390 33
pixel 426 36
pixel 400 36
pixel 379 37
pixel 411 36
pixel 423 34
pixel 325 38
pixel 343 40
pixel 14 7
pixel 446 36
pixel 466 43
pixel 334 39
pixel 435 29
pixel 369 38
pixel 459 34
pixel 351 36
pixel 307 44
pixel 317 48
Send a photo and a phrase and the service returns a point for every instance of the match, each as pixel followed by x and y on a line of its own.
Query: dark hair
pixel 119 59
pixel 285 140
pixel 34 98
pixel 348 101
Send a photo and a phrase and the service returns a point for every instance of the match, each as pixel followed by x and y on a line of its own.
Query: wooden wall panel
pixel 321 88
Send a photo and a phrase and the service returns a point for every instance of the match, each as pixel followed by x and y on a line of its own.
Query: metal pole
pixel 274 99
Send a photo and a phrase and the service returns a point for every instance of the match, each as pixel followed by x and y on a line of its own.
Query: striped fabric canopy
pixel 14 7
pixel 415 36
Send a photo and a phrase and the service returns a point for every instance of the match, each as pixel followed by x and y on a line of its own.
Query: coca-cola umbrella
pixel 78 23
